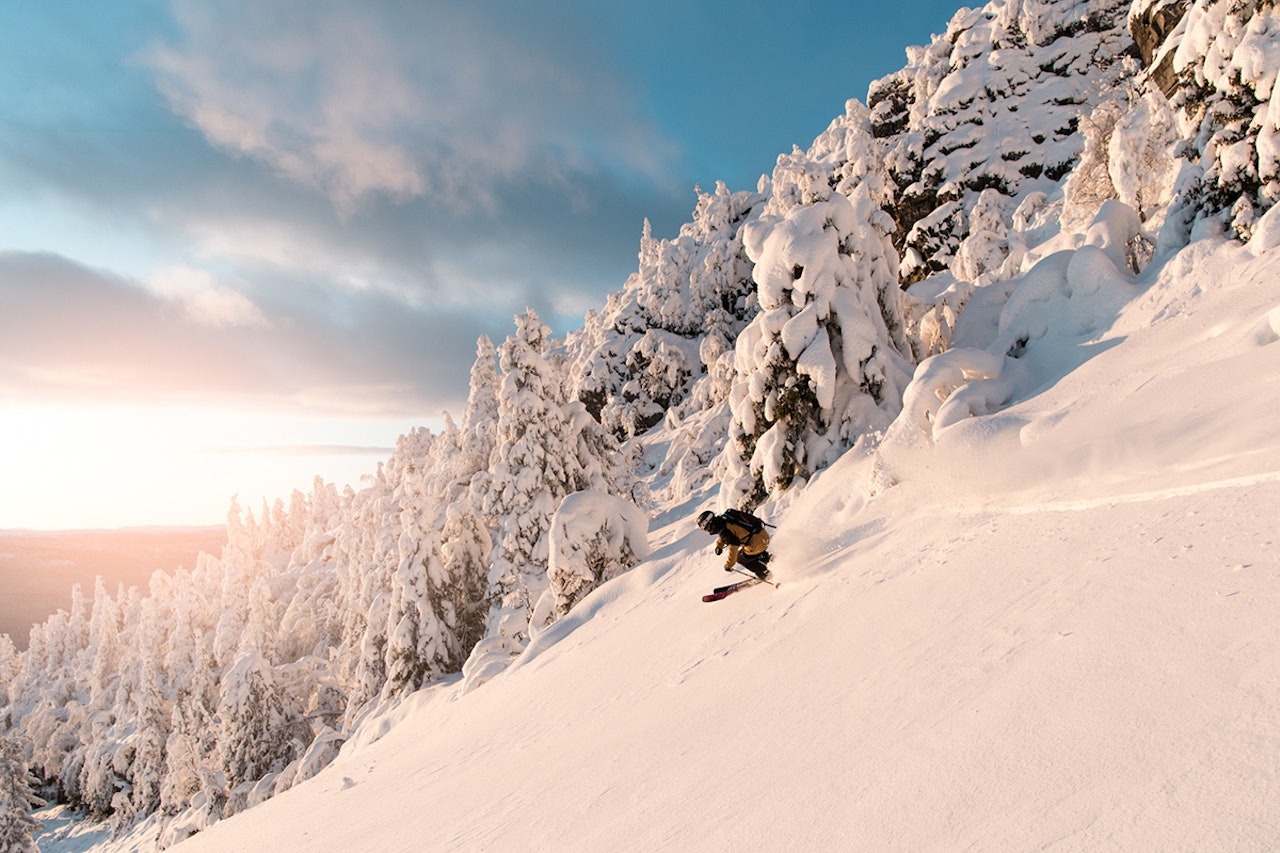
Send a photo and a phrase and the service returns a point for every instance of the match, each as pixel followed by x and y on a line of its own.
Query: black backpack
pixel 743 519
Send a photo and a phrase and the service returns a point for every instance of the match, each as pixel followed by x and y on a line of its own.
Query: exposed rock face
pixel 1151 22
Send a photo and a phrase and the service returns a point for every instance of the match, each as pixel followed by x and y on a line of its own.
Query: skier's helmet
pixel 704 520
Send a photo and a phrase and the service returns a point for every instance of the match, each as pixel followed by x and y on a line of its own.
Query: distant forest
pixel 38 568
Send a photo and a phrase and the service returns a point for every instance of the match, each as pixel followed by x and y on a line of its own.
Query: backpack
pixel 752 524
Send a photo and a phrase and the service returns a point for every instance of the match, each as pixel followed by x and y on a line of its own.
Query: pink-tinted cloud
pixel 73 333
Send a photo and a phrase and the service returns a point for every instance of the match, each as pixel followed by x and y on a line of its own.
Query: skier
pixel 745 537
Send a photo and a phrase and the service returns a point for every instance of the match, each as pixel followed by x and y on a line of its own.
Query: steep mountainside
pixel 1041 195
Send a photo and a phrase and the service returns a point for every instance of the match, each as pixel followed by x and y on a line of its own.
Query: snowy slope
pixel 1056 630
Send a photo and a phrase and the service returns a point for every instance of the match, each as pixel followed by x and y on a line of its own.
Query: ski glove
pixel 719 550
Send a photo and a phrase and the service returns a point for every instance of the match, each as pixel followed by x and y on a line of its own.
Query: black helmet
pixel 704 520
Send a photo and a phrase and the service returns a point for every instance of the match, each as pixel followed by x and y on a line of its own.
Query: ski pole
pixel 754 577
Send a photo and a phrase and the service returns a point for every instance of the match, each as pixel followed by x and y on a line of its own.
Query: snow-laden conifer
pixel 825 359
pixel 190 728
pixel 17 798
pixel 478 431
pixel 547 446
pixel 10 669
pixel 992 103
pixel 1224 70
pixel 259 726
pixel 150 710
pixel 460 592
pixel 530 472
pixel 672 321
pixel 594 537
pixel 415 637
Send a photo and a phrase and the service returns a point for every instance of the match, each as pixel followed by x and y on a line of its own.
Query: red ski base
pixel 725 591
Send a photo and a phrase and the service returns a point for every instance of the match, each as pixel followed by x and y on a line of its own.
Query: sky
pixel 243 243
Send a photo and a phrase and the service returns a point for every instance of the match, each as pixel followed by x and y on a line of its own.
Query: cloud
pixel 73 333
pixel 204 300
pixel 444 166
pixel 452 102
pixel 529 170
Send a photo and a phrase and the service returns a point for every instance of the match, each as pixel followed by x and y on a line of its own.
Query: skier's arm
pixel 733 556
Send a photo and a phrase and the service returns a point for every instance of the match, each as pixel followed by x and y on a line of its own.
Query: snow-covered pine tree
pixel 150 712
pixel 10 669
pixel 644 353
pixel 110 736
pixel 192 673
pixel 366 568
pixel 478 432
pixel 106 651
pixel 17 798
pixel 75 634
pixel 260 729
pixel 459 594
pixel 416 645
pixel 825 360
pixel 238 570
pixel 530 473
pixel 457 575
pixel 992 103
pixel 38 699
pixel 58 688
pixel 546 447
pixel 594 537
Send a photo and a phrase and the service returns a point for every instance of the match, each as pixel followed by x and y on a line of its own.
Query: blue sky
pixel 302 214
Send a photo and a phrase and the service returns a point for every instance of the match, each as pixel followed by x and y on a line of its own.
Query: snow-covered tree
pixel 825 360
pixel 238 570
pixel 192 733
pixel 417 648
pixel 1224 91
pixel 594 538
pixel 151 714
pixel 546 447
pixel 479 426
pixel 258 724
pixel 460 591
pixel 10 668
pixel 17 798
pixel 645 352
pixel 992 103
pixel 105 649
pixel 529 474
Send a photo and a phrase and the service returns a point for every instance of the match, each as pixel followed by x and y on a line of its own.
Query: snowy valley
pixel 999 356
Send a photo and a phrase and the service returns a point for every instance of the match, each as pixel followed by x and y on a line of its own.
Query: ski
pixel 725 591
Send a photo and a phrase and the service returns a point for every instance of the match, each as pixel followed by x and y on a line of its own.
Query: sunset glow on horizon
pixel 87 467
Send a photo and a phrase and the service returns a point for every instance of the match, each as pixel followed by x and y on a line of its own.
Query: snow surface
pixel 1048 625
